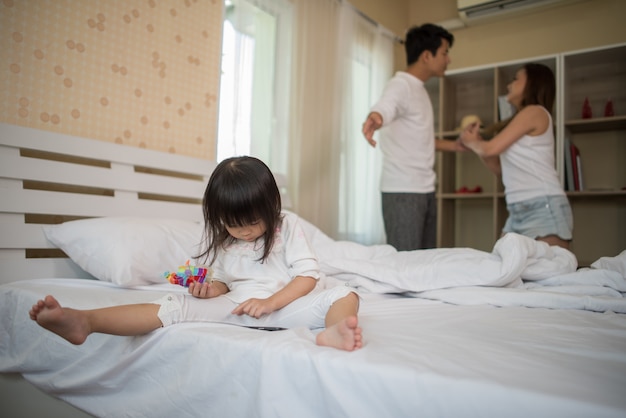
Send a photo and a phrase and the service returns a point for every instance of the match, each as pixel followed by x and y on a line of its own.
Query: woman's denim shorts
pixel 540 217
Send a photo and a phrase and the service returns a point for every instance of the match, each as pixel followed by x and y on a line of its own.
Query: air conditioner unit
pixel 473 11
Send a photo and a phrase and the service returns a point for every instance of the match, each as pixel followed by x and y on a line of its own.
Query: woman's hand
pixel 255 308
pixel 470 135
pixel 471 138
pixel 207 290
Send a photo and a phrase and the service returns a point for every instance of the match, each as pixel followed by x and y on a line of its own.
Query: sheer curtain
pixel 298 78
pixel 254 90
pixel 342 62
pixel 315 139
pixel 367 55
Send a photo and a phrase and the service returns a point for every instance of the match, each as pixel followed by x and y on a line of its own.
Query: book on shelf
pixel 579 170
pixel 573 168
pixel 569 173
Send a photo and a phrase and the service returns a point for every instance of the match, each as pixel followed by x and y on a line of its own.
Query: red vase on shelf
pixel 586 113
pixel 608 109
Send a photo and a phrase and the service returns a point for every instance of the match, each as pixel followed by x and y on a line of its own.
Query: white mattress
pixel 420 358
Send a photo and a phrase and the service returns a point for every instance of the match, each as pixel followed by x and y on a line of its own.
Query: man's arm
pixel 449 145
pixel 373 122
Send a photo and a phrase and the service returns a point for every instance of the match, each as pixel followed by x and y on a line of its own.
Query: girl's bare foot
pixel 65 322
pixel 344 335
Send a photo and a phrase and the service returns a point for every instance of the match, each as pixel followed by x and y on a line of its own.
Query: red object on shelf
pixel 587 113
pixel 608 109
pixel 465 189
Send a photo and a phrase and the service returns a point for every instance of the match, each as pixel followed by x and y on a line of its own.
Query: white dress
pixel 246 277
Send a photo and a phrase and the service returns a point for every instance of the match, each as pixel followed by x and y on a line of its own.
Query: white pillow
pixel 128 251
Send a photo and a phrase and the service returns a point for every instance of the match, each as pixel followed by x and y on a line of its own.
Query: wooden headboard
pixel 49 178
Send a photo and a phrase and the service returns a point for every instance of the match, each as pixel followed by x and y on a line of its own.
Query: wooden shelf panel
pixel 467 195
pixel 612 123
pixel 597 193
pixel 572 194
pixel 450 134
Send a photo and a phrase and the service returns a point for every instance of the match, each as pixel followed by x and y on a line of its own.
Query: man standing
pixel 408 144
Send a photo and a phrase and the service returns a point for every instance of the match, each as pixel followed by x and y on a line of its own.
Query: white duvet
pixel 518 272
pixel 420 357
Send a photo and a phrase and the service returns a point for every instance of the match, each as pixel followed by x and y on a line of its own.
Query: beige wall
pixel 393 15
pixel 142 73
pixel 146 73
pixel 572 25
pixel 567 27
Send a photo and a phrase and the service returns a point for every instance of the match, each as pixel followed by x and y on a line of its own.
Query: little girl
pixel 265 273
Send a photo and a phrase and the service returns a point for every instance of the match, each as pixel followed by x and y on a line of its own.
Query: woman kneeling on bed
pixel 266 273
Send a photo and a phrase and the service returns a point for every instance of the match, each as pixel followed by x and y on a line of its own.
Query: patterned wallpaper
pixel 142 73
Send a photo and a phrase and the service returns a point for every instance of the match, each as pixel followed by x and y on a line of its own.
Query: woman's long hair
pixel 540 90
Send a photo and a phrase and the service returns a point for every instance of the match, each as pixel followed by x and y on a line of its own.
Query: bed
pixel 515 332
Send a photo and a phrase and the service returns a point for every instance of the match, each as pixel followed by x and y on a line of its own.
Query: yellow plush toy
pixel 468 120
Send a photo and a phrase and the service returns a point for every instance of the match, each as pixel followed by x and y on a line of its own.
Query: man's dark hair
pixel 426 37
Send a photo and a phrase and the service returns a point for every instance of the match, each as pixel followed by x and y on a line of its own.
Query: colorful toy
pixel 187 274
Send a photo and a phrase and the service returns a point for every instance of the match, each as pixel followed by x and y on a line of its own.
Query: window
pixel 370 56
pixel 255 78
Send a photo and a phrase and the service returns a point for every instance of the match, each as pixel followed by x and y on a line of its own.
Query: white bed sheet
pixel 420 358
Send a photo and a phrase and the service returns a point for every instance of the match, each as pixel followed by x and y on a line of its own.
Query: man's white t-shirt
pixel 408 136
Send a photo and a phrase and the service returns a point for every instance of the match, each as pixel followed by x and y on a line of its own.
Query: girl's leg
pixel 342 328
pixel 345 307
pixel 76 325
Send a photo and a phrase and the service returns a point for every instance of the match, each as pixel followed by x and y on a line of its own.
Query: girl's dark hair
pixel 540 89
pixel 424 38
pixel 240 192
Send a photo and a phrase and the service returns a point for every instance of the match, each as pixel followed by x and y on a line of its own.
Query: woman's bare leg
pixel 76 325
pixel 342 328
pixel 554 240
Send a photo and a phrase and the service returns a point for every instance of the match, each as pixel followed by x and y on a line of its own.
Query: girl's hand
pixel 255 308
pixel 207 290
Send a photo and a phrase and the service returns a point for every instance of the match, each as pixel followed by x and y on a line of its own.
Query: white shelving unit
pixel 476 219
pixel 597 74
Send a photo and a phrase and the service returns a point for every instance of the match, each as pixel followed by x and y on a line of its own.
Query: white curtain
pixel 235 106
pixel 298 79
pixel 254 91
pixel 343 61
pixel 365 65
pixel 315 138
